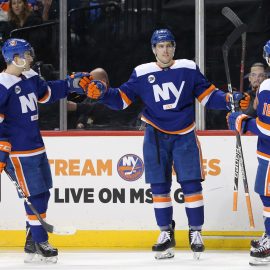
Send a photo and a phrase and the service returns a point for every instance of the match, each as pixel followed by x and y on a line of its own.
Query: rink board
pixel 99 188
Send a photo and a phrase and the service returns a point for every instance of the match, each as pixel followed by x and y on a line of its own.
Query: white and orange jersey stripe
pixel 162 201
pixel 28 153
pixel 20 175
pixel 266 212
pixel 263 127
pixel 181 131
pixel 2 118
pixel 46 97
pixel 125 99
pixel 263 155
pixel 33 220
pixel 204 97
pixel 194 200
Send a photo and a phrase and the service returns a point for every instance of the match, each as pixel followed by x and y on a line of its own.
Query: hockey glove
pixel 241 100
pixel 96 89
pixel 237 121
pixel 5 148
pixel 78 81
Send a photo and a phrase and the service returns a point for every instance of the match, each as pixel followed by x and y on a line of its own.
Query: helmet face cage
pixel 162 35
pixel 13 47
pixel 266 52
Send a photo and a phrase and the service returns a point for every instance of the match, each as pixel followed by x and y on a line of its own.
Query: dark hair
pixel 25 13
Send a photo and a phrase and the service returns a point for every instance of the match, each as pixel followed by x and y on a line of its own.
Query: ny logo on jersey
pixel 28 102
pixel 163 92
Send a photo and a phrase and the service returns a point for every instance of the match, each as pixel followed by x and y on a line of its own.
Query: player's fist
pixel 78 81
pixel 96 89
pixel 237 121
pixel 5 148
pixel 241 100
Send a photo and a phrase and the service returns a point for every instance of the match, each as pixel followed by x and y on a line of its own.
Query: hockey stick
pixel 237 32
pixel 231 16
pixel 48 227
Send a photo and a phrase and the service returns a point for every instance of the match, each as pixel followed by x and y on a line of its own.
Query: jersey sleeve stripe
pixel 181 131
pixel 46 97
pixel 206 94
pixel 125 99
pixel 263 155
pixel 263 127
pixel 2 118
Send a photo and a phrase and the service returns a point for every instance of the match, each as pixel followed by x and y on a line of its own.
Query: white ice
pixel 133 260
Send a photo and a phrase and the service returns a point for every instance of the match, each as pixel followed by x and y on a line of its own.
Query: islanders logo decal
pixel 130 167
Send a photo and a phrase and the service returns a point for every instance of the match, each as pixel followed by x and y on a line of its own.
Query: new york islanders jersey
pixel 168 95
pixel 19 97
pixel 261 126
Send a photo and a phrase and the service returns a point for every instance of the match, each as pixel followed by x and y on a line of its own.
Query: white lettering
pixel 28 103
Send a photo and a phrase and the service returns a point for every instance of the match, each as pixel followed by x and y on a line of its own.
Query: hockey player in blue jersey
pixel 168 89
pixel 22 150
pixel 260 249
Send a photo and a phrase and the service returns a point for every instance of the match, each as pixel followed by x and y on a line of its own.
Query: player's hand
pixel 96 89
pixel 78 81
pixel 241 100
pixel 5 148
pixel 237 121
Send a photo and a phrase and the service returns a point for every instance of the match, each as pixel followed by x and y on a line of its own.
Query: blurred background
pixel 115 35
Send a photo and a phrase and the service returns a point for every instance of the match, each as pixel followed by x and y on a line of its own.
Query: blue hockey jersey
pixel 19 97
pixel 168 95
pixel 261 126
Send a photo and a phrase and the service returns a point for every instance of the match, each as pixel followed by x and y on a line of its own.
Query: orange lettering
pixel 74 167
pixel 103 167
pixel 61 167
pixel 213 164
pixel 88 168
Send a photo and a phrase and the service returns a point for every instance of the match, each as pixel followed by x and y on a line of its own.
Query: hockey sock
pixel 194 203
pixel 162 205
pixel 40 202
pixel 266 213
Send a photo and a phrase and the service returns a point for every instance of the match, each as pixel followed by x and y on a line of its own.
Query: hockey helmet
pixel 162 35
pixel 266 52
pixel 15 46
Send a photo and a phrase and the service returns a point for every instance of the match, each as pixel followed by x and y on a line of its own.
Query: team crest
pixel 13 42
pixel 18 89
pixel 130 167
pixel 151 78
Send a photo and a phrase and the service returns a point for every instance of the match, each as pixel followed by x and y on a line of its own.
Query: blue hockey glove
pixel 241 100
pixel 78 81
pixel 5 148
pixel 237 121
pixel 96 89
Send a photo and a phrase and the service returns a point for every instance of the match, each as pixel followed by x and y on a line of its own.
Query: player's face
pixel 28 60
pixel 164 52
pixel 256 77
pixel 17 6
